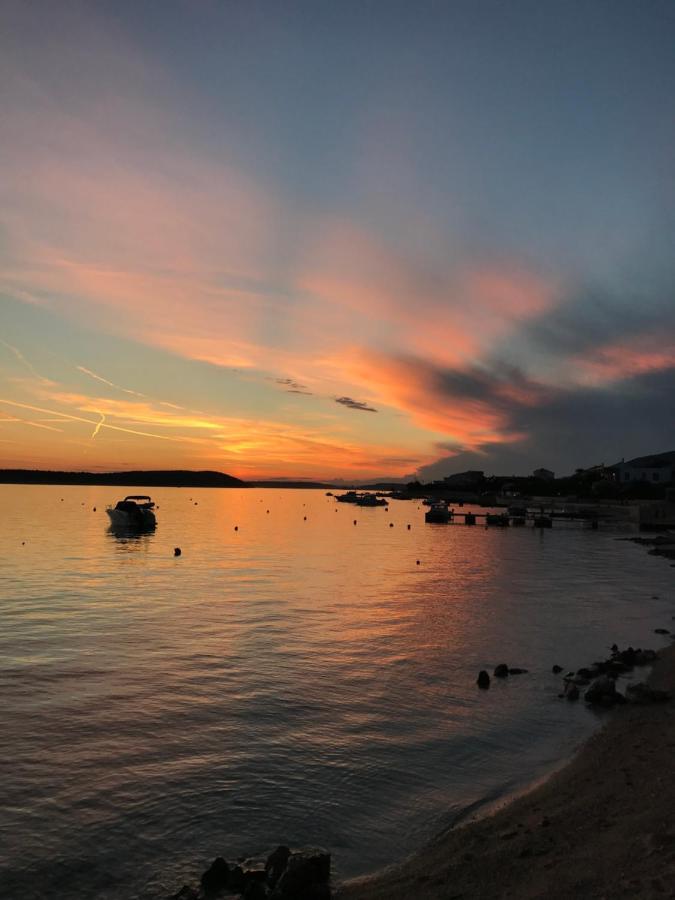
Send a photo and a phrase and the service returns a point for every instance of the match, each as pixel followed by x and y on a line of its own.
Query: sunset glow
pixel 201 264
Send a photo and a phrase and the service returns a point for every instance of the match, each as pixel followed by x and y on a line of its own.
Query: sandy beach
pixel 601 827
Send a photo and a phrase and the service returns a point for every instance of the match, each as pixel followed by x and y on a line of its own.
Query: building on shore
pixel 544 474
pixel 656 469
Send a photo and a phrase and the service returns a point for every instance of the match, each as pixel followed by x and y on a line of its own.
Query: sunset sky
pixel 336 239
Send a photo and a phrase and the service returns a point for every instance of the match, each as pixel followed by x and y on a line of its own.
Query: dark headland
pixel 151 478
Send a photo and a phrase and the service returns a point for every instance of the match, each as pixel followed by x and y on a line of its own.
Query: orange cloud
pixel 627 359
pixel 415 387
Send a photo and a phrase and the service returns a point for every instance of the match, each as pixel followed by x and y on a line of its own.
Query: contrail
pixel 98 426
pixel 22 359
pixel 109 383
pixel 71 418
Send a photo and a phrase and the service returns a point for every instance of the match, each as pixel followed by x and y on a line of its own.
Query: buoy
pixel 94 509
pixel 408 527
pixel 355 521
pixel 177 551
pixel 236 528
pixel 391 524
pixel 418 562
pixel 268 512
pixel 196 504
pixel 304 518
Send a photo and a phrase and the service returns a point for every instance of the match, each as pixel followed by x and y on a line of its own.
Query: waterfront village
pixel 639 491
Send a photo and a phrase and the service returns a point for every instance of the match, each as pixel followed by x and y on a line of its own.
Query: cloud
pixel 354 404
pixel 293 387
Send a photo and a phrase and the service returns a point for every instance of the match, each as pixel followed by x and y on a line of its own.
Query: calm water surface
pixel 298 680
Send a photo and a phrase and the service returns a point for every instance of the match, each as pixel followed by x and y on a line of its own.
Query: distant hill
pixel 290 484
pixel 152 478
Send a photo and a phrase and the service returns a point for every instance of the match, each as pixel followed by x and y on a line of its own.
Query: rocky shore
pixel 602 827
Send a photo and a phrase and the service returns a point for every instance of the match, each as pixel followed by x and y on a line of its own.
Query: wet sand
pixel 601 827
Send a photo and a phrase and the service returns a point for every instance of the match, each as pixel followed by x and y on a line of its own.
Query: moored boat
pixel 370 500
pixel 135 512
pixel 438 512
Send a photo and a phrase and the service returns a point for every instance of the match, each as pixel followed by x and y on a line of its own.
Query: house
pixel 473 478
pixel 543 474
pixel 656 469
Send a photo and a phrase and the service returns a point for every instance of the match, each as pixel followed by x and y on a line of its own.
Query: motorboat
pixel 135 513
pixel 349 497
pixel 371 500
pixel 501 520
pixel 438 512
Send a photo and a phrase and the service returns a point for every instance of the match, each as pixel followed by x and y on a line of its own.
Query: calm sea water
pixel 300 680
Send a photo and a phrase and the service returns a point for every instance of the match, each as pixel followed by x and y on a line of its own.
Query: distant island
pixel 151 478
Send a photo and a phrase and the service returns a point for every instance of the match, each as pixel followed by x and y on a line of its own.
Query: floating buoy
pixel 355 521
pixel 196 504
pixel 268 512
pixel 391 524
pixel 418 562
pixel 177 551
pixel 236 528
pixel 94 510
pixel 23 543
pixel 304 518
pixel 408 527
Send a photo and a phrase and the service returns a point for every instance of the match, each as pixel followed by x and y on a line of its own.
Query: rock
pixel 483 680
pixel 185 893
pixel 236 882
pixel 306 876
pixel 643 693
pixel 276 864
pixel 645 657
pixel 584 673
pixel 557 670
pixel 661 631
pixel 501 671
pixel 516 671
pixel 255 890
pixel 571 691
pixel 254 869
pixel 603 692
pixel 216 876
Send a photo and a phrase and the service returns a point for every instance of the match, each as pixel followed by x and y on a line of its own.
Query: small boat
pixel 438 512
pixel 370 500
pixel 349 497
pixel 500 520
pixel 543 522
pixel 469 519
pixel 135 513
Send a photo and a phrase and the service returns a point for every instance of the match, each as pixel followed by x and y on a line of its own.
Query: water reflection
pixel 291 678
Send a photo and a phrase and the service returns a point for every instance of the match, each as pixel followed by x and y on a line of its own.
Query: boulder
pixel 255 890
pixel 603 692
pixel 216 876
pixel 571 691
pixel 276 864
pixel 483 680
pixel 645 657
pixel 236 882
pixel 557 670
pixel 501 671
pixel 305 877
pixel 185 893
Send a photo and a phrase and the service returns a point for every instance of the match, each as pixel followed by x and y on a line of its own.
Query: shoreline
pixel 601 825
